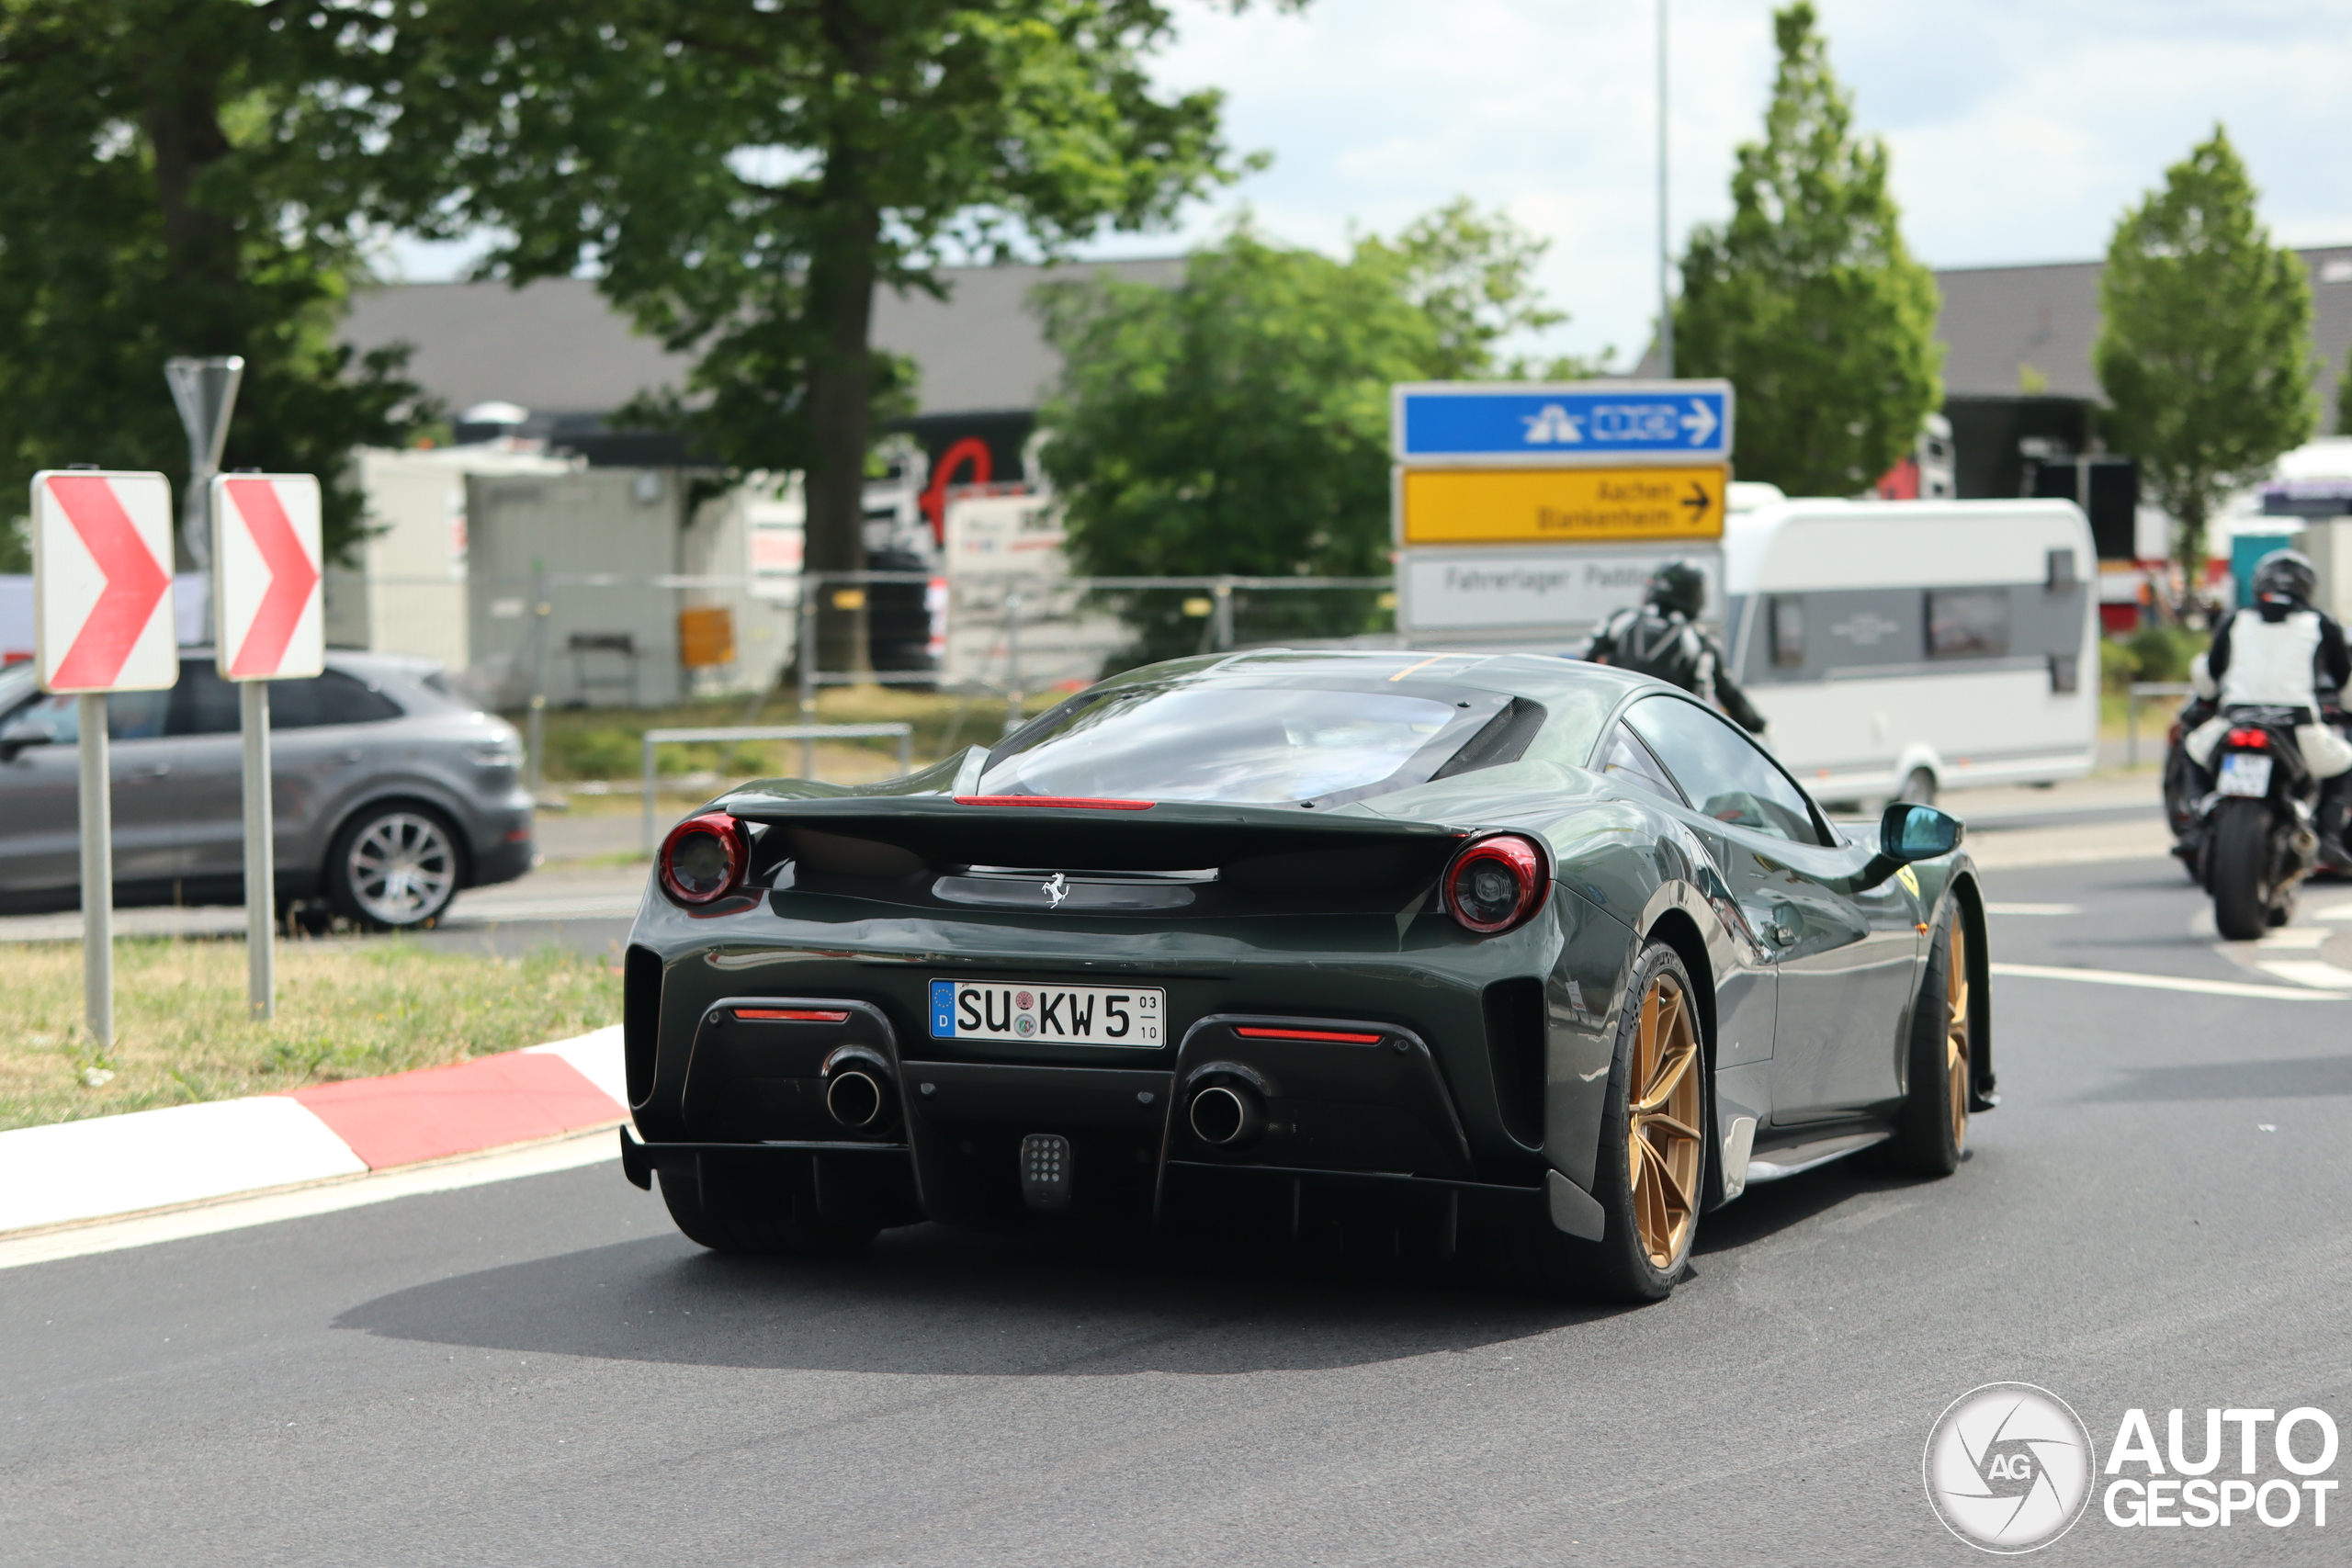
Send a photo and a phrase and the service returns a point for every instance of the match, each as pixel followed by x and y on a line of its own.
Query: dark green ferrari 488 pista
pixel 1500 956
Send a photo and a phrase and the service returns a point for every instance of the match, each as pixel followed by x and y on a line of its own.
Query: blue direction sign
pixel 1522 424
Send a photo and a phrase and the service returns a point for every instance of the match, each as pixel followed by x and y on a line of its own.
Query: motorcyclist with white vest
pixel 2279 656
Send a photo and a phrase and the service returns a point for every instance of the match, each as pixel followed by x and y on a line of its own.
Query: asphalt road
pixel 540 1371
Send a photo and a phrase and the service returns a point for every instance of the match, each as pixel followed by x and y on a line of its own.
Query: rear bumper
pixel 1365 1110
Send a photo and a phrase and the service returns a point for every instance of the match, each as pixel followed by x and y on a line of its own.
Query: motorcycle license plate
pixel 2244 774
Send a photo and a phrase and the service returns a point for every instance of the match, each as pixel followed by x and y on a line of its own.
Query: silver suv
pixel 392 793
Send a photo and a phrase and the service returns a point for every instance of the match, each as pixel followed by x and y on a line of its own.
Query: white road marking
pixel 2310 972
pixel 567 1153
pixel 2295 937
pixel 2331 913
pixel 2160 982
pixel 2033 909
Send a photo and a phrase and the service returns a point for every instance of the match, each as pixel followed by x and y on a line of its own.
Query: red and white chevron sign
pixel 269 622
pixel 102 582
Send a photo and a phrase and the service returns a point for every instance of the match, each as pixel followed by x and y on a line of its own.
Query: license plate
pixel 1028 1014
pixel 2244 774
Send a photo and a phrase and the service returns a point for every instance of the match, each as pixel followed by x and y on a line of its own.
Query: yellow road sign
pixel 1480 506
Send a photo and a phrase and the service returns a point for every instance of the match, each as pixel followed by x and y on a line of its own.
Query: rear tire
pixel 768 1214
pixel 1933 1132
pixel 2240 858
pixel 1918 789
pixel 1651 1172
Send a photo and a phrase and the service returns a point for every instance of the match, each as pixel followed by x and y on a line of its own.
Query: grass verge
pixel 345 1009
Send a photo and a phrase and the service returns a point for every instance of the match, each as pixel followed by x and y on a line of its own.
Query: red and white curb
pixel 74 1172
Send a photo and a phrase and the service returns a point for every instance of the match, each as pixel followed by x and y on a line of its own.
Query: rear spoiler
pixel 939 831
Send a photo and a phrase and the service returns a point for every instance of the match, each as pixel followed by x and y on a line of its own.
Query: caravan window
pixel 1968 623
pixel 1788 629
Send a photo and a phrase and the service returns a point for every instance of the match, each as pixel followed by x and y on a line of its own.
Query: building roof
pixel 2009 331
pixel 556 347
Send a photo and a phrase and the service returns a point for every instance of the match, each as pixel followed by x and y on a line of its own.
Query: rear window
pixel 1319 743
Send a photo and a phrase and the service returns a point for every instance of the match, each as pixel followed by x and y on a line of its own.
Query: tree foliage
pixel 1238 424
pixel 2204 347
pixel 1807 301
pixel 742 177
pixel 187 177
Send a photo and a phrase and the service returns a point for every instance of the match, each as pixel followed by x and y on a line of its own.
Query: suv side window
pixel 1721 771
pixel 207 705
pixel 130 716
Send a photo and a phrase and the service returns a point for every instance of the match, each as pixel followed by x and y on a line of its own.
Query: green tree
pixel 2204 347
pixel 742 177
pixel 1238 422
pixel 1808 300
pixel 187 177
pixel 2344 397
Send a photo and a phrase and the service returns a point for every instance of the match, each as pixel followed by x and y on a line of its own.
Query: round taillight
pixel 1494 884
pixel 704 858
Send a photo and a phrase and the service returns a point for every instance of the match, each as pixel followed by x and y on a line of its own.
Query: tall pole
pixel 1664 294
pixel 261 853
pixel 98 873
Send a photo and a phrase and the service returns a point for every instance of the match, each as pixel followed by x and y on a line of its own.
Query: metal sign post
pixel 97 871
pixel 102 622
pixel 204 390
pixel 271 625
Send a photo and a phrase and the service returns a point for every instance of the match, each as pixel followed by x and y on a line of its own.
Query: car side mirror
pixel 1908 831
pixel 16 737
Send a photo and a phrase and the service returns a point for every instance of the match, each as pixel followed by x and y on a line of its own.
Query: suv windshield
pixel 1322 742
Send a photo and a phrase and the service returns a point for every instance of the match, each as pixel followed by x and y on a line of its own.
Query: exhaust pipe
pixel 856 1099
pixel 1225 1115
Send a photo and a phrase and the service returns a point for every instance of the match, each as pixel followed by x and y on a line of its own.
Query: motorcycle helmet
pixel 2285 574
pixel 1678 585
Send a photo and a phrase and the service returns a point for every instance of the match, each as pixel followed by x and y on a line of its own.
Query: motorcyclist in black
pixel 1659 639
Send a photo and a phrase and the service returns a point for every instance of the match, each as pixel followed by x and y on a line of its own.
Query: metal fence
pixel 613 640
pixel 2140 691
pixel 1011 635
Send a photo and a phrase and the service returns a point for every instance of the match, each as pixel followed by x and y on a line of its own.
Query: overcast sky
pixel 2020 128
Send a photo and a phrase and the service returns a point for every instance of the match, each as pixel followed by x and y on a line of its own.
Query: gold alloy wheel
pixel 1662 1123
pixel 1956 1040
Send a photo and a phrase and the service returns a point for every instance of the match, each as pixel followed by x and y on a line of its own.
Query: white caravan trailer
pixel 1909 647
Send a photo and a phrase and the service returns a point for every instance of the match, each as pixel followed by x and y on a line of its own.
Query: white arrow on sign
pixel 270 623
pixel 1700 422
pixel 102 582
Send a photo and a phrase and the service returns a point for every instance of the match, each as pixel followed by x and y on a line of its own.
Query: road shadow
pixel 2289 1078
pixel 933 1301
pixel 1765 1210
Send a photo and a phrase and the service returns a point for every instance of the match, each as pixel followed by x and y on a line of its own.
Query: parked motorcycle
pixel 2254 837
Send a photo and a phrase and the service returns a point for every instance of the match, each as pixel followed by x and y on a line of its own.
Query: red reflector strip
pixel 789 1015
pixel 1332 1034
pixel 1069 801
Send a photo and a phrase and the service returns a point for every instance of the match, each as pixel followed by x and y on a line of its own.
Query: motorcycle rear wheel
pixel 2240 857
